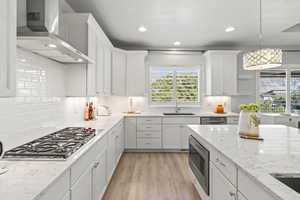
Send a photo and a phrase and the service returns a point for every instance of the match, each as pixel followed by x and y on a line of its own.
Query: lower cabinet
pixel 241 197
pixel 171 137
pixel 82 189
pixel 130 133
pixel 99 176
pixel 221 187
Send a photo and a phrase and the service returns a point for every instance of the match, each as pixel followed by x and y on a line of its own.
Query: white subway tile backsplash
pixel 40 106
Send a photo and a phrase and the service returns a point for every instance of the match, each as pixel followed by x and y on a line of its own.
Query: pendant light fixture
pixel 263 58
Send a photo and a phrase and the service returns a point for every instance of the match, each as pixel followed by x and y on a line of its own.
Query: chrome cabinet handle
pixel 221 163
pixel 233 194
pixel 96 165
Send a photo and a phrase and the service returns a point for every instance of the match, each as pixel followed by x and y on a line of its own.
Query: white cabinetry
pixel 176 133
pixel 82 189
pixel 149 133
pixel 221 187
pixel 136 73
pixel 130 133
pixel 85 34
pixel 221 73
pixel 99 176
pixel 67 196
pixel 119 73
pixel 115 148
pixel 8 26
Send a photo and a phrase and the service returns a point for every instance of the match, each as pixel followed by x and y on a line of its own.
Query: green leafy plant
pixel 250 107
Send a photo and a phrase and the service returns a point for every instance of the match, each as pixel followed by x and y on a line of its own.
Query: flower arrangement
pixel 249 122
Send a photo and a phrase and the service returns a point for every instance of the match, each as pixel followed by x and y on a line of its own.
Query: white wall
pixel 40 106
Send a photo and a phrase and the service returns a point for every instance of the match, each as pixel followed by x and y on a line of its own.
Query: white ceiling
pixel 197 24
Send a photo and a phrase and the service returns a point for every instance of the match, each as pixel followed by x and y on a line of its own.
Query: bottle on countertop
pixel 86 112
pixel 91 110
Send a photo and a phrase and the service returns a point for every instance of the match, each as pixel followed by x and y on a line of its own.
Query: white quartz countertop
pixel 26 180
pixel 278 153
pixel 201 114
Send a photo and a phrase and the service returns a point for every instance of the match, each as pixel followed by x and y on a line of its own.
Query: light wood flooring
pixel 152 176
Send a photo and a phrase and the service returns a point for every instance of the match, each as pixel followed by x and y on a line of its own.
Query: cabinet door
pixel 8 48
pixel 110 154
pixel 130 133
pixel 171 137
pixel 107 71
pixel 136 73
pixel 100 68
pixel 118 73
pixel 99 176
pixel 92 53
pixel 82 189
pixel 221 187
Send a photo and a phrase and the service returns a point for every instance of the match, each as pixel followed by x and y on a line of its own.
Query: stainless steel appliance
pixel 58 146
pixel 213 120
pixel 42 30
pixel 199 163
pixel 1 148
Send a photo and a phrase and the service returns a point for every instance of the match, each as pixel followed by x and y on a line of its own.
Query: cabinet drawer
pixel 149 127
pixel 86 160
pixel 181 120
pixel 227 168
pixel 149 120
pixel 232 120
pixel 58 189
pixel 149 143
pixel 251 189
pixel 146 134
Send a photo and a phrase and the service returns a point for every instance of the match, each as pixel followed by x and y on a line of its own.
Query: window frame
pixel 173 103
pixel 288 99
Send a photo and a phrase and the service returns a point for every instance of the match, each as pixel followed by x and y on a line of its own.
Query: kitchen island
pixel 247 166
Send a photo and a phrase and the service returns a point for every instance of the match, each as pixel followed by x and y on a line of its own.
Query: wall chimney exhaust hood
pixel 41 30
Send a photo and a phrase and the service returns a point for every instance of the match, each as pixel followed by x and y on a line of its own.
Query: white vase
pixel 247 126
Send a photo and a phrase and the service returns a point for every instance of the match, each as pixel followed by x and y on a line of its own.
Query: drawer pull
pixel 232 194
pixel 96 164
pixel 221 163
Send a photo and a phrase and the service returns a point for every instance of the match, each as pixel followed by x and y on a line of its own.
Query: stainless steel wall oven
pixel 199 163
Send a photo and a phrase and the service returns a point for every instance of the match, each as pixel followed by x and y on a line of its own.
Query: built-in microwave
pixel 199 163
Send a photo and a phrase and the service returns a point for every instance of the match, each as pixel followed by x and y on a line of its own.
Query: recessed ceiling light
pixel 142 29
pixel 177 43
pixel 51 45
pixel 23 60
pixel 229 29
pixel 79 60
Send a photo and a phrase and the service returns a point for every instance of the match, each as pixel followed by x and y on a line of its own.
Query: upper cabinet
pixel 118 72
pixel 83 31
pixel 221 73
pixel 8 20
pixel 136 73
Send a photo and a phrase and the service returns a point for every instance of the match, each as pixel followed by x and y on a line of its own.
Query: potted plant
pixel 248 121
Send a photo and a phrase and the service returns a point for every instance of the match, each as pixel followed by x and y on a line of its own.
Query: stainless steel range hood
pixel 41 30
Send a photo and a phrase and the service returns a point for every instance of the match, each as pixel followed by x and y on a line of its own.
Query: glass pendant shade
pixel 262 59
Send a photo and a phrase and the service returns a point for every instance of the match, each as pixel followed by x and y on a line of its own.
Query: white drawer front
pixel 146 134
pixel 227 168
pixel 251 189
pixel 149 127
pixel 232 120
pixel 149 120
pixel 149 143
pixel 181 120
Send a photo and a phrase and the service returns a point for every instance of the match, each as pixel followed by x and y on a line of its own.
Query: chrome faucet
pixel 177 109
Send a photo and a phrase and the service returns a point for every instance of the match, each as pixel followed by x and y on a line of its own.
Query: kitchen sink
pixel 290 180
pixel 179 114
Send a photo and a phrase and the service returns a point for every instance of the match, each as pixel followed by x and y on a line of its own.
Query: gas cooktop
pixel 58 145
